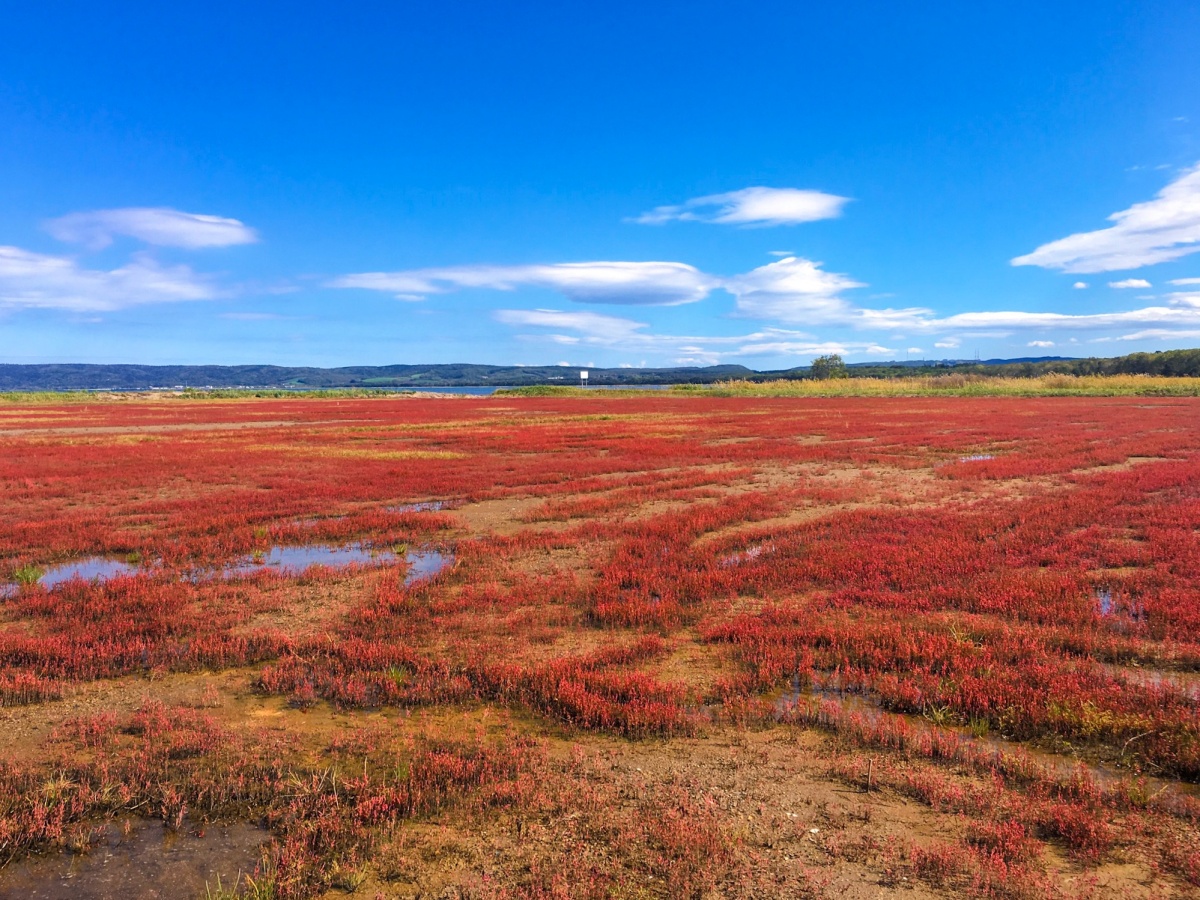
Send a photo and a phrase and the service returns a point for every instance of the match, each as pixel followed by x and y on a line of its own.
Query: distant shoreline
pixel 473 378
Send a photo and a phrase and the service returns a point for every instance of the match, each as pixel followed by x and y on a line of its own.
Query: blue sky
pixel 597 184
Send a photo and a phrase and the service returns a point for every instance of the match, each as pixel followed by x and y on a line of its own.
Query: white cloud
pixel 1130 283
pixel 161 226
pixel 1185 281
pixel 601 327
pixel 623 283
pixel 1155 231
pixel 1184 310
pixel 751 206
pixel 1080 285
pixel 592 329
pixel 799 291
pixel 39 281
pixel 1185 299
pixel 792 289
pixel 1159 334
pixel 789 291
pixel 915 350
pixel 1040 344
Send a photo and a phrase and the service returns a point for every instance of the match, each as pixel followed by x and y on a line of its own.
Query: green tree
pixel 831 366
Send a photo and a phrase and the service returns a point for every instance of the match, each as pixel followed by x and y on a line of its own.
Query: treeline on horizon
pixel 80 376
pixel 1164 363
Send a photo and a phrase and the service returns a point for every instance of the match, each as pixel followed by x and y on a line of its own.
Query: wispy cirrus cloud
pixel 621 283
pixel 160 226
pixel 1158 230
pixel 752 206
pixel 40 281
pixel 1130 283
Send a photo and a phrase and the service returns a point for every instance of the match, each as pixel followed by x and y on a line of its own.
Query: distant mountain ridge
pixel 86 376
pixel 91 376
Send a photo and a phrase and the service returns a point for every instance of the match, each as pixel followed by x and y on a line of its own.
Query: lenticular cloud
pixel 1156 231
pixel 752 206
pixel 622 283
pixel 161 226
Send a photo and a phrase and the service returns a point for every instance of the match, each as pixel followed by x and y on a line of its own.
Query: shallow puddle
pixel 1112 605
pixel 422 564
pixel 736 559
pixel 149 862
pixel 94 568
pixel 294 560
pixel 426 506
pixel 1185 682
pixel 425 564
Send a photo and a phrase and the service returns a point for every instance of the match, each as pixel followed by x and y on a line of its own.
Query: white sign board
pixel 583 375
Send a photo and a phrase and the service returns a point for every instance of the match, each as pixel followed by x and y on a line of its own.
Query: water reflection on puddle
pixel 425 564
pixel 148 862
pixel 94 568
pixel 736 559
pixel 1112 605
pixel 426 506
pixel 295 560
pixel 422 564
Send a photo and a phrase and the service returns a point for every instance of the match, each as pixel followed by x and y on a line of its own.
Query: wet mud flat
pixel 141 860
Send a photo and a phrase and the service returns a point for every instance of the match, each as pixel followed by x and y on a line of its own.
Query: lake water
pixel 487 390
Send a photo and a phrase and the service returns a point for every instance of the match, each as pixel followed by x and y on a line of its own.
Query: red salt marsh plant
pixel 644 568
pixel 173 764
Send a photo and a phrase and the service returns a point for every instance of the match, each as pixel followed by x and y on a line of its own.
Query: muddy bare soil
pixel 141 859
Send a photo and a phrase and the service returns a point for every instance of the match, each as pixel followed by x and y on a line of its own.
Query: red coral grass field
pixel 608 646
